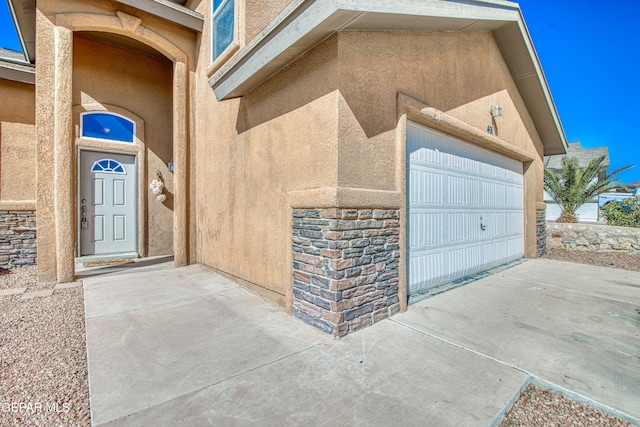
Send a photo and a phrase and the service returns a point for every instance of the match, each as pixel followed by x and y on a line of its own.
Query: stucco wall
pixel 462 74
pixel 329 123
pixel 17 142
pixel 258 13
pixel 56 22
pixel 252 153
pixel 107 74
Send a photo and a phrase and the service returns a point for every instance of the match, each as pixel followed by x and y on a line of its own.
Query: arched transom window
pixel 108 126
pixel 108 166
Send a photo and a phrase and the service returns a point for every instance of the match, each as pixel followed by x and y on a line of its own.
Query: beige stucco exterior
pixel 137 86
pixel 17 145
pixel 328 130
pixel 155 90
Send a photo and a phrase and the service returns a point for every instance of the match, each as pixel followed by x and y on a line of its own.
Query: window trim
pixel 109 113
pixel 238 37
pixel 214 14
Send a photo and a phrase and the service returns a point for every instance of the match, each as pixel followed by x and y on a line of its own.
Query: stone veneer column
pixel 541 231
pixel 345 267
pixel 18 245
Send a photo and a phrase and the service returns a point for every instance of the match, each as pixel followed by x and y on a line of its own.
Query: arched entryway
pixel 73 80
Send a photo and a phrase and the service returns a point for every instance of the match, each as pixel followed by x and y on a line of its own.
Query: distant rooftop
pixel 584 156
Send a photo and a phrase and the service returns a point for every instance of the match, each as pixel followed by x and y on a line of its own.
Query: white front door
pixel 107 205
pixel 465 209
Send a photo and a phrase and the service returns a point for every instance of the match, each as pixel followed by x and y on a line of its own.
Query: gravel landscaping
pixel 614 259
pixel 538 407
pixel 43 362
pixel 43 366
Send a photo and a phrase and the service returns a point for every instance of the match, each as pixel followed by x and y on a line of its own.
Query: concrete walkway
pixel 189 347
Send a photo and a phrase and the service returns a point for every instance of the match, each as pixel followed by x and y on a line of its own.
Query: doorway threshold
pixel 85 268
pixel 129 256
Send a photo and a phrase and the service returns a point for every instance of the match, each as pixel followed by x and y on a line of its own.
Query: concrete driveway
pixel 189 347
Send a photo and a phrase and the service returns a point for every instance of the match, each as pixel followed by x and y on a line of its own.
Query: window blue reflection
pixel 223 24
pixel 107 126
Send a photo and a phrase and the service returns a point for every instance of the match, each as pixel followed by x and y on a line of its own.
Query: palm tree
pixel 573 186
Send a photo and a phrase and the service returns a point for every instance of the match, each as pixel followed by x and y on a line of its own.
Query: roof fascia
pixel 17 72
pixel 305 23
pixel 514 40
pixel 24 28
pixel 169 11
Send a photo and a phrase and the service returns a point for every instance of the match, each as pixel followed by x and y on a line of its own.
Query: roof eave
pixel 17 72
pixel 25 20
pixel 305 23
pixel 170 11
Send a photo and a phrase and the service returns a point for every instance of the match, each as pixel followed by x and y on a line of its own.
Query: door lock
pixel 83 221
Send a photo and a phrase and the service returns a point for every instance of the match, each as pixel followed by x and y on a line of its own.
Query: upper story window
pixel 222 26
pixel 108 126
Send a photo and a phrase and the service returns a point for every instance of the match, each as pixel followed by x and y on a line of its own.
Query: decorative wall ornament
pixel 156 187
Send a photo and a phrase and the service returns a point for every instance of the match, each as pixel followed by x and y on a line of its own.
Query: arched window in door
pixel 108 166
pixel 107 126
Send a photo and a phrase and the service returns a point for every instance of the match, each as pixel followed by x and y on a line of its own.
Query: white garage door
pixel 465 209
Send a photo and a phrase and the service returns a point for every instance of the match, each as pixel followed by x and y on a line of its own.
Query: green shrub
pixel 623 214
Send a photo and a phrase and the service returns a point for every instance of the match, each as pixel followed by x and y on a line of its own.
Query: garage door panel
pixel 464 261
pixel 464 209
pixel 430 269
pixel 421 221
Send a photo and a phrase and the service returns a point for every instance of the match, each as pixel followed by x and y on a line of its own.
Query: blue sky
pixel 8 37
pixel 590 54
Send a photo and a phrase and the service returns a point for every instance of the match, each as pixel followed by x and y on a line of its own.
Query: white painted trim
pixel 170 11
pixel 212 16
pixel 17 72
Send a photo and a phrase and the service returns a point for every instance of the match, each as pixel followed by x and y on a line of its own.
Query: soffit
pixel 173 11
pixel 305 23
pixel 17 72
pixel 25 13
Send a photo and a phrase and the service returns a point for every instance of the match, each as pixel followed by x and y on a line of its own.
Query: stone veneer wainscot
pixel 345 267
pixel 541 231
pixel 18 245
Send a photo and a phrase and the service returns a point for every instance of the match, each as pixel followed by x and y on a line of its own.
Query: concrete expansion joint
pixel 576 291
pixel 229 378
pixel 531 378
pixel 149 308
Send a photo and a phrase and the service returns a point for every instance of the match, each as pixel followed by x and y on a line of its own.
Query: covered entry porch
pixel 71 82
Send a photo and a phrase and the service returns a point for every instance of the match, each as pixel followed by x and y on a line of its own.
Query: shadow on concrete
pixel 85 272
